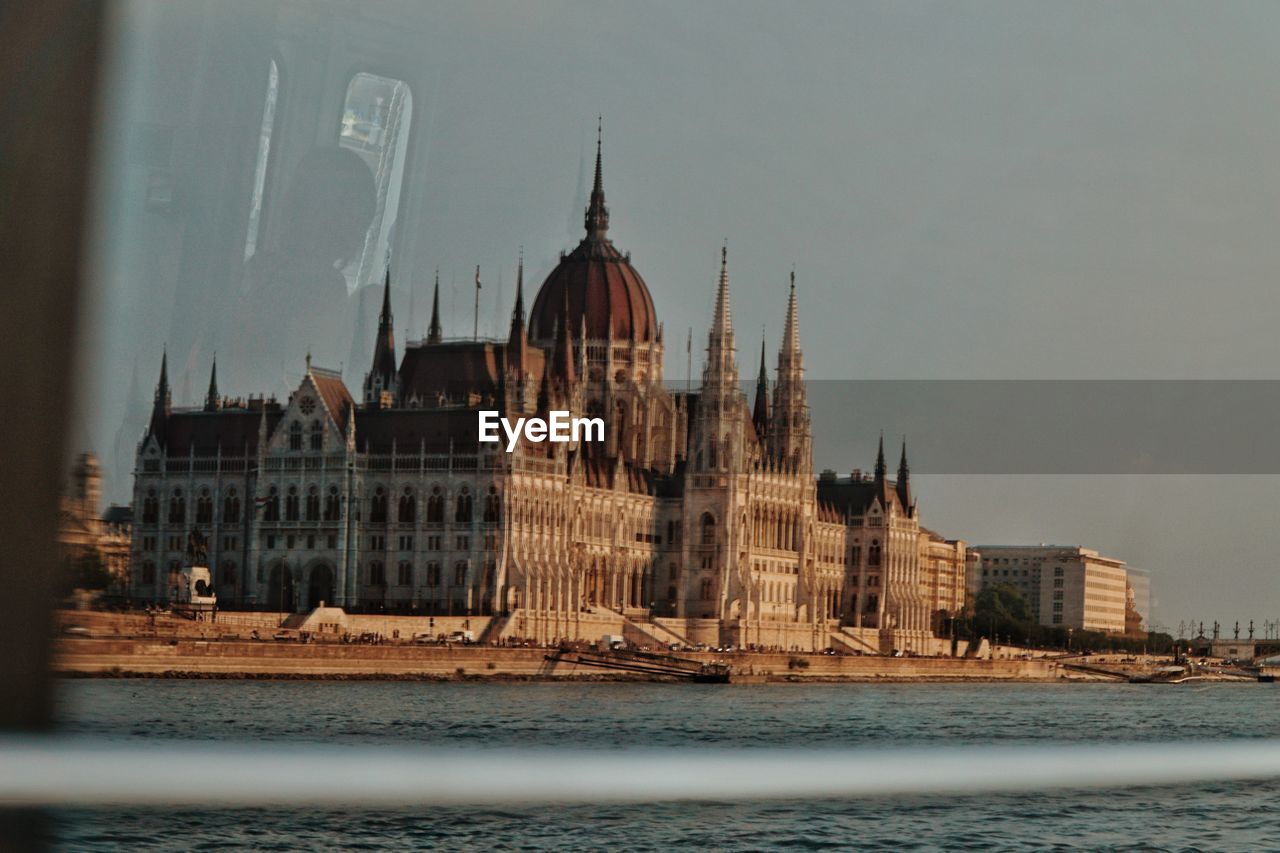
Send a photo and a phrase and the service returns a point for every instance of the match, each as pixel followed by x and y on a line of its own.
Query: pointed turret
pixel 721 316
pixel 597 218
pixel 790 438
pixel 882 470
pixel 517 341
pixel 163 401
pixel 211 399
pixel 760 415
pixel 434 332
pixel 562 354
pixel 721 401
pixel 904 478
pixel 382 375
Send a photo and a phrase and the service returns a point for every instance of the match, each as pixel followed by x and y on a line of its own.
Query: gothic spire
pixel 760 415
pixel 434 333
pixel 382 375
pixel 904 478
pixel 516 339
pixel 597 219
pixel 563 354
pixel 211 399
pixel 163 399
pixel 791 331
pixel 721 319
pixel 881 469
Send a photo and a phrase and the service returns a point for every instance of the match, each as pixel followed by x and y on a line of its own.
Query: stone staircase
pixel 850 639
pixel 645 632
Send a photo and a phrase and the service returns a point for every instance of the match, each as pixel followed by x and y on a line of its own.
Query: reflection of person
pixel 294 298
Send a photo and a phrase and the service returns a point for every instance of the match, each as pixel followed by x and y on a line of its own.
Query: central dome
pixel 596 283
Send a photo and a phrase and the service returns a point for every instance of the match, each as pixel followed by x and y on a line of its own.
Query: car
pixel 461 637
pixel 282 635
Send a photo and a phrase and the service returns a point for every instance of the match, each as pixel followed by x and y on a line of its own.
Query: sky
pixel 975 190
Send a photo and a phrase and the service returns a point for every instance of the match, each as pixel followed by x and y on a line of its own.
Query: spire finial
pixel 597 220
pixel 433 331
pixel 386 294
pixel 721 321
pixel 791 330
pixel 881 467
pixel 211 398
pixel 516 336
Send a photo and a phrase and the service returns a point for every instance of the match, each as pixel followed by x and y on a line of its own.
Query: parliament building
pixel 699 518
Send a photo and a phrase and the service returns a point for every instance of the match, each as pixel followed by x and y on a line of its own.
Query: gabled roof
pixel 334 394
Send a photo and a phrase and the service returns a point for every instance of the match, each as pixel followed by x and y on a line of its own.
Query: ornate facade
pixel 699 518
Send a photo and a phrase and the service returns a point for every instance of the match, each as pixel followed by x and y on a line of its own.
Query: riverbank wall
pixel 192 657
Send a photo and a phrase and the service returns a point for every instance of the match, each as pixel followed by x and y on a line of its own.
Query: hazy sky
pixel 967 190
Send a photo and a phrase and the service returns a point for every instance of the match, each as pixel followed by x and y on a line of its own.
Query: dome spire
pixel 597 220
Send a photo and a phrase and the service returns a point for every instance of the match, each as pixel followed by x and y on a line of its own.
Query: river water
pixel 607 716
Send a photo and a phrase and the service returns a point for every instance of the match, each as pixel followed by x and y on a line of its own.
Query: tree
pixel 1001 610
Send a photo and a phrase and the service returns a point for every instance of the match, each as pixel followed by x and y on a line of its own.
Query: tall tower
pixel 790 439
pixel 715 490
pixel 381 382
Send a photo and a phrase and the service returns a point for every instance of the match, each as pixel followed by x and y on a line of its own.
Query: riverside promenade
pixel 236 646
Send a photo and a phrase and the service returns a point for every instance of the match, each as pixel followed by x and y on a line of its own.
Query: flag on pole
pixel 475 330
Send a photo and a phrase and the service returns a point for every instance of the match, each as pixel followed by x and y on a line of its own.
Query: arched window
pixel 460 573
pixel 317 436
pixel 708 529
pixel 272 506
pixel 295 436
pixel 378 507
pixel 332 505
pixel 231 507
pixel 177 508
pixel 229 573
pixel 433 574
pixel 148 572
pixel 376 119
pixel 405 570
pixel 463 513
pixel 291 504
pixel 377 574
pixel 492 506
pixel 435 506
pixel 873 553
pixel 408 510
pixel 313 504
pixel 204 508
pixel 150 508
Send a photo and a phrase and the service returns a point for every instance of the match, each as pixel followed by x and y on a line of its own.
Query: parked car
pixel 461 637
